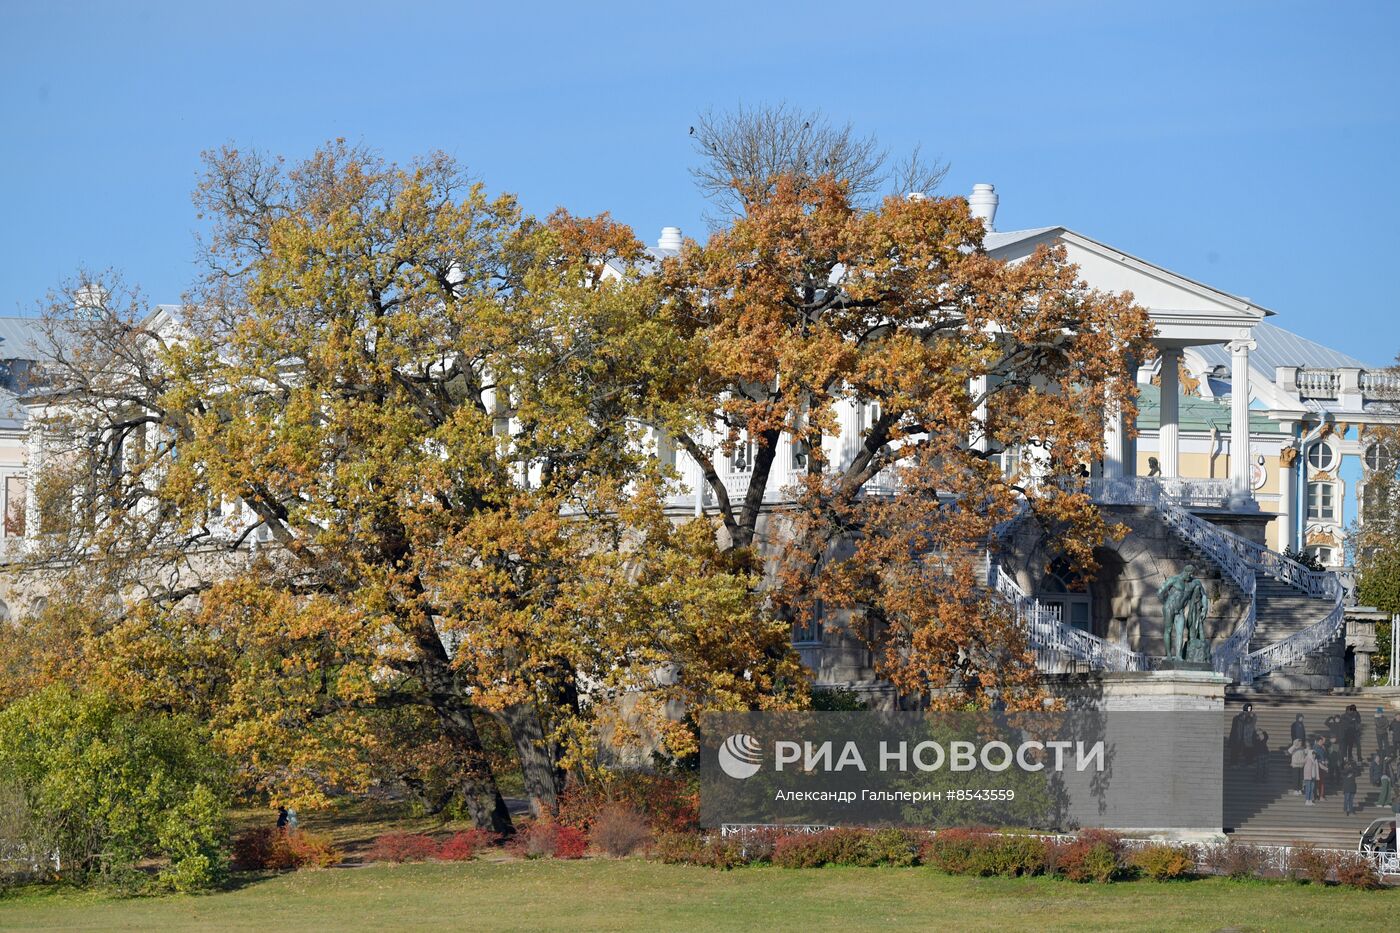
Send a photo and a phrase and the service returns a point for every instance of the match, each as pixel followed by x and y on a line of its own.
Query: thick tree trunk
pixel 539 757
pixel 476 783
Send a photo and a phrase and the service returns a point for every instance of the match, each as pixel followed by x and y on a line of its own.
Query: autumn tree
pixel 978 385
pixel 389 456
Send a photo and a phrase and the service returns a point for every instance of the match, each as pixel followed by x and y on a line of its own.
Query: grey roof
pixel 998 239
pixel 20 338
pixel 1278 347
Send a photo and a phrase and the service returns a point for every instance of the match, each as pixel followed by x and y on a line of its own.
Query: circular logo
pixel 740 756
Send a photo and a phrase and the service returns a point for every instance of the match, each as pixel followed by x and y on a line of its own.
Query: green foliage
pixel 837 700
pixel 117 786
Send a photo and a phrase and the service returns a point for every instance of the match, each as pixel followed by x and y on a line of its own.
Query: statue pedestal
pixel 1177 664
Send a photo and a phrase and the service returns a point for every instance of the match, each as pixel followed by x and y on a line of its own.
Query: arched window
pixel 1066 595
pixel 1321 456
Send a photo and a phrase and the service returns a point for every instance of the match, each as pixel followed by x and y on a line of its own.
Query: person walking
pixel 1351 733
pixel 1297 755
pixel 1382 731
pixel 1394 730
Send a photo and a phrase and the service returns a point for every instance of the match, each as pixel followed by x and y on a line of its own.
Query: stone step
pixel 1266 813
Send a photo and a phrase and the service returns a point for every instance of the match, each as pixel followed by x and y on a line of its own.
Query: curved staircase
pixel 1289 637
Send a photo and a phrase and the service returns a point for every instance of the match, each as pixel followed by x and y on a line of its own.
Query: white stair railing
pixel 1241 560
pixel 1051 639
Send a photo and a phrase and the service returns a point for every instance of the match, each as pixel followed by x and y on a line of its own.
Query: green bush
pixel 117 787
pixel 1164 862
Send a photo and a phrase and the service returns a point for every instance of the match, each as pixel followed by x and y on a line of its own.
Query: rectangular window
pixel 14 506
pixel 809 632
pixel 1320 501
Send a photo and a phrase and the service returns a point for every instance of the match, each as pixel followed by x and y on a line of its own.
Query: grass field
pixel 602 894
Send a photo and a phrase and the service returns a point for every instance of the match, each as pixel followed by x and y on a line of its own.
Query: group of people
pixel 1326 763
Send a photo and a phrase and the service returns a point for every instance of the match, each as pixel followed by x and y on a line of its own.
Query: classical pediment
pixel 1186 311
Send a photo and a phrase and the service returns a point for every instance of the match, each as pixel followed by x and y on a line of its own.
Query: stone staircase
pixel 1296 638
pixel 1266 812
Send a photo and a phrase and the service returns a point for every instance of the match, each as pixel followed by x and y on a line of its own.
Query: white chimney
pixel 670 239
pixel 983 203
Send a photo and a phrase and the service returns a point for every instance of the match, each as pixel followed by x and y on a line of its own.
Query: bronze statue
pixel 1184 609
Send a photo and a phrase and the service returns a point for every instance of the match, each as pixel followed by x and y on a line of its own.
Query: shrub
pixel 403 847
pixel 1309 863
pixel 296 849
pixel 26 846
pixel 693 849
pixel 956 850
pixel 253 848
pixel 846 846
pixel 1237 860
pixel 1094 855
pixel 667 803
pixel 619 830
pixel 1356 871
pixel 1163 862
pixel 116 786
pixel 282 850
pixel 463 846
pixel 1011 856
pixel 546 838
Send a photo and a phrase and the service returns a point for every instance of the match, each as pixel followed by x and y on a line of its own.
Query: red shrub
pixel 619 830
pixel 1094 855
pixel 282 850
pixel 252 850
pixel 1356 871
pixel 402 847
pixel 463 846
pixel 299 849
pixel 548 838
pixel 668 804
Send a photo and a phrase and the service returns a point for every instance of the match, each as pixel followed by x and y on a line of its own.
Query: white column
pixel 1239 417
pixel 1115 444
pixel 1168 430
pixel 1287 462
pixel 979 439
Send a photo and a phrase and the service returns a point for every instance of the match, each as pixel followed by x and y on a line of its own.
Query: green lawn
pixel 626 895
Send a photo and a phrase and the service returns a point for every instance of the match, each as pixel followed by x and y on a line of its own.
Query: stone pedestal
pixel 1181 689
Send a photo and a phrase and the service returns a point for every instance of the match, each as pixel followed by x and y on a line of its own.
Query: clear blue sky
pixel 1249 145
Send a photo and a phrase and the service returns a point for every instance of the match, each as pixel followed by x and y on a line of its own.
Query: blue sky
pixel 1248 145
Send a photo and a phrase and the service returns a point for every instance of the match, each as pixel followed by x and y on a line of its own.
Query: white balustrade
pixel 1318 383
